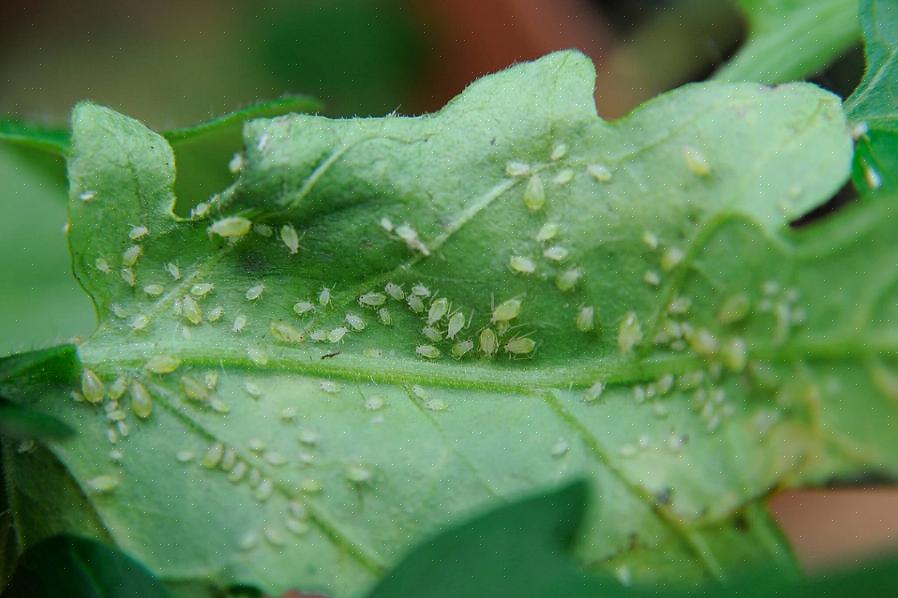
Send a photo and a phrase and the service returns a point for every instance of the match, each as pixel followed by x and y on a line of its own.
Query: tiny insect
pixel 507 310
pixel 191 310
pixel 215 313
pixel 162 364
pixel 138 232
pixel 438 309
pixel 432 333
pixel 257 356
pixel 324 297
pixel 651 278
pixel 141 400
pixel 331 355
pixel 173 271
pixel 559 151
pixel 568 279
pixel 387 224
pixel 415 303
pixel 534 194
pixel 236 163
pixel 696 161
pixel 671 259
pixel 131 255
pixel 462 348
pixel 372 299
pixel 303 307
pixel 290 238
pixel 556 253
pixel 194 389
pixel 517 169
pixel 420 290
pixel 599 172
pixel 547 232
pixel 594 391
pixel 102 265
pixel 153 290
pixel 520 345
pixel 87 196
pixel 395 291
pixel 564 176
pixel 629 332
pixel 456 323
pixel 650 239
pixel 428 351
pixel 129 277
pixel 139 322
pixel 91 386
pixel 355 322
pixel 232 227
pixel 201 289
pixel 586 318
pixel 385 318
pixel 200 211
pixel 488 342
pixel 239 323
pixel 286 333
pixel 521 264
pixel 255 292
pixel 336 335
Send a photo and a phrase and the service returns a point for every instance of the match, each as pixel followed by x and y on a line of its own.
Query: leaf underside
pixel 736 356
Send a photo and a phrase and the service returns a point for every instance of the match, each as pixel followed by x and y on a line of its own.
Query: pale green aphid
pixel 173 271
pixel 462 348
pixel 432 333
pixel 488 342
pixel 629 333
pixel 213 456
pixel 534 194
pixel 324 297
pixel 395 291
pixel 103 483
pixel 703 342
pixel 671 258
pixel 696 161
pixel 211 380
pixel 336 335
pixel 239 323
pixel 162 364
pixel 290 238
pixel 138 232
pixel 131 255
pixel 420 290
pixel 734 354
pixel 438 309
pixel 507 310
pixel 547 232
pixel 232 227
pixel 194 389
pixel 303 307
pixel 215 314
pixel 428 351
pixel 564 176
pixel 153 290
pixel 286 333
pixel 374 403
pixel 385 318
pixel 568 279
pixel 372 299
pixel 520 345
pixel 415 303
pixel 734 309
pixel 92 386
pixel 118 388
pixel 594 391
pixel 141 401
pixel 257 356
pixel 255 292
pixel 355 322
pixel 559 151
pixel 599 172
pixel 263 230
pixel 586 318
pixel 201 289
pixel 139 322
pixel 650 239
pixel 521 264
pixel 456 323
pixel 102 265
pixel 651 278
pixel 517 169
pixel 556 253
pixel 191 310
pixel 129 277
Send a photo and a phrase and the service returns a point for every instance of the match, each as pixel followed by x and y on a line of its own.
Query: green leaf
pixel 48 139
pixel 81 568
pixel 520 549
pixel 23 424
pixel 871 108
pixel 791 39
pixel 315 465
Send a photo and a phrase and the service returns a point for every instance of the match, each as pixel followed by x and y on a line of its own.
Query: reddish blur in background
pixel 171 63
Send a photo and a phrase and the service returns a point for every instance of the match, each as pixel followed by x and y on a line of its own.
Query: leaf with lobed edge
pixel 277 430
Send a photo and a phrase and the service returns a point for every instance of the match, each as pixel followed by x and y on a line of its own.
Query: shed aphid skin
pixel 255 292
pixel 257 356
pixel 191 310
pixel 586 318
pixel 412 241
pixel 672 258
pixel 139 322
pixel 568 279
pixel 87 196
pixel 337 334
pixel 521 264
pixel 153 290
pixel 563 177
pixel 650 240
pixel 386 224
pixel 534 194
pixel 141 401
pixel 456 323
pixel 594 391
pixel 556 253
pixel 734 309
pixel 318 335
pixel 301 308
pixel 629 333
pixel 263 230
pixel 696 161
pixel 372 299
pixel 239 323
pixel 415 304
pixel 599 172
pixel 138 232
pixel 506 311
pixel 517 169
pixel 428 351
pixel 103 483
pixel 462 348
pixel 489 344
pixel 102 265
pixel 420 290
pixel 559 151
pixel 92 387
pixel 385 318
pixel 520 345
pixel 324 297
pixel 652 278
pixel 438 309
pixel 290 238
pixel 355 321
pixel 395 291
pixel 432 334
pixel 201 289
pixel 162 364
pixel 129 277
pixel 286 333
pixel 173 271
pixel 231 227
pixel 374 403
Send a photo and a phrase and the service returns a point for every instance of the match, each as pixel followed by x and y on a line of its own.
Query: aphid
pixel 87 196
pixel 703 341
pixel 232 227
pixel 410 236
pixel 336 335
pixel 275 458
pixel 193 389
pixel 201 289
pixel 627 450
pixel 650 239
pixel 129 277
pixel 428 351
pixel 734 354
pixel 372 299
pixel 521 264
pixel 257 356
pixel 517 169
pixel 324 297
pixel 507 310
pixel 138 232
pixel 248 541
pixel 385 318
pixel 387 224
pixel 139 322
pixel 435 405
pixel 303 307
pixel 200 210
pixel 560 448
pixel 191 310
pixel 438 309
pixel 117 389
pixel 651 278
pixel 264 490
pixel 594 392
pixel 395 291
pixel 173 271
pixel 696 161
pixel 236 163
pixel 462 348
pixel 131 255
pixel 420 290
pixel 374 403
pixel 211 380
pixel 488 342
pixel 373 353
pixel 296 527
pixel 534 194
pixel 556 253
pixel 252 389
pixel 318 335
pixel 213 456
pixel 141 400
pixel 118 311
pixel 153 290
pixel 255 291
pixel 629 333
pixel 286 333
pixel 520 345
pixel 734 309
pixel 599 172
pixel 91 386
pixel 358 474
pixel 415 304
pixel 671 259
pixel 873 179
pixel 355 322
pixel 103 483
pixel 309 436
pixel 290 238
pixel 102 265
pixel 563 177
pixel 586 318
pixel 665 384
pixel 559 151
pixel 432 333
pixel 456 323
pixel 215 313
pixel 237 472
pixel 263 230
pixel 184 456
pixel 239 323
pixel 288 414
pixel 568 279
pixel 679 305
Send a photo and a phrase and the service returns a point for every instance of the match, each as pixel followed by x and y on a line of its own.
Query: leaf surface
pixel 734 356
